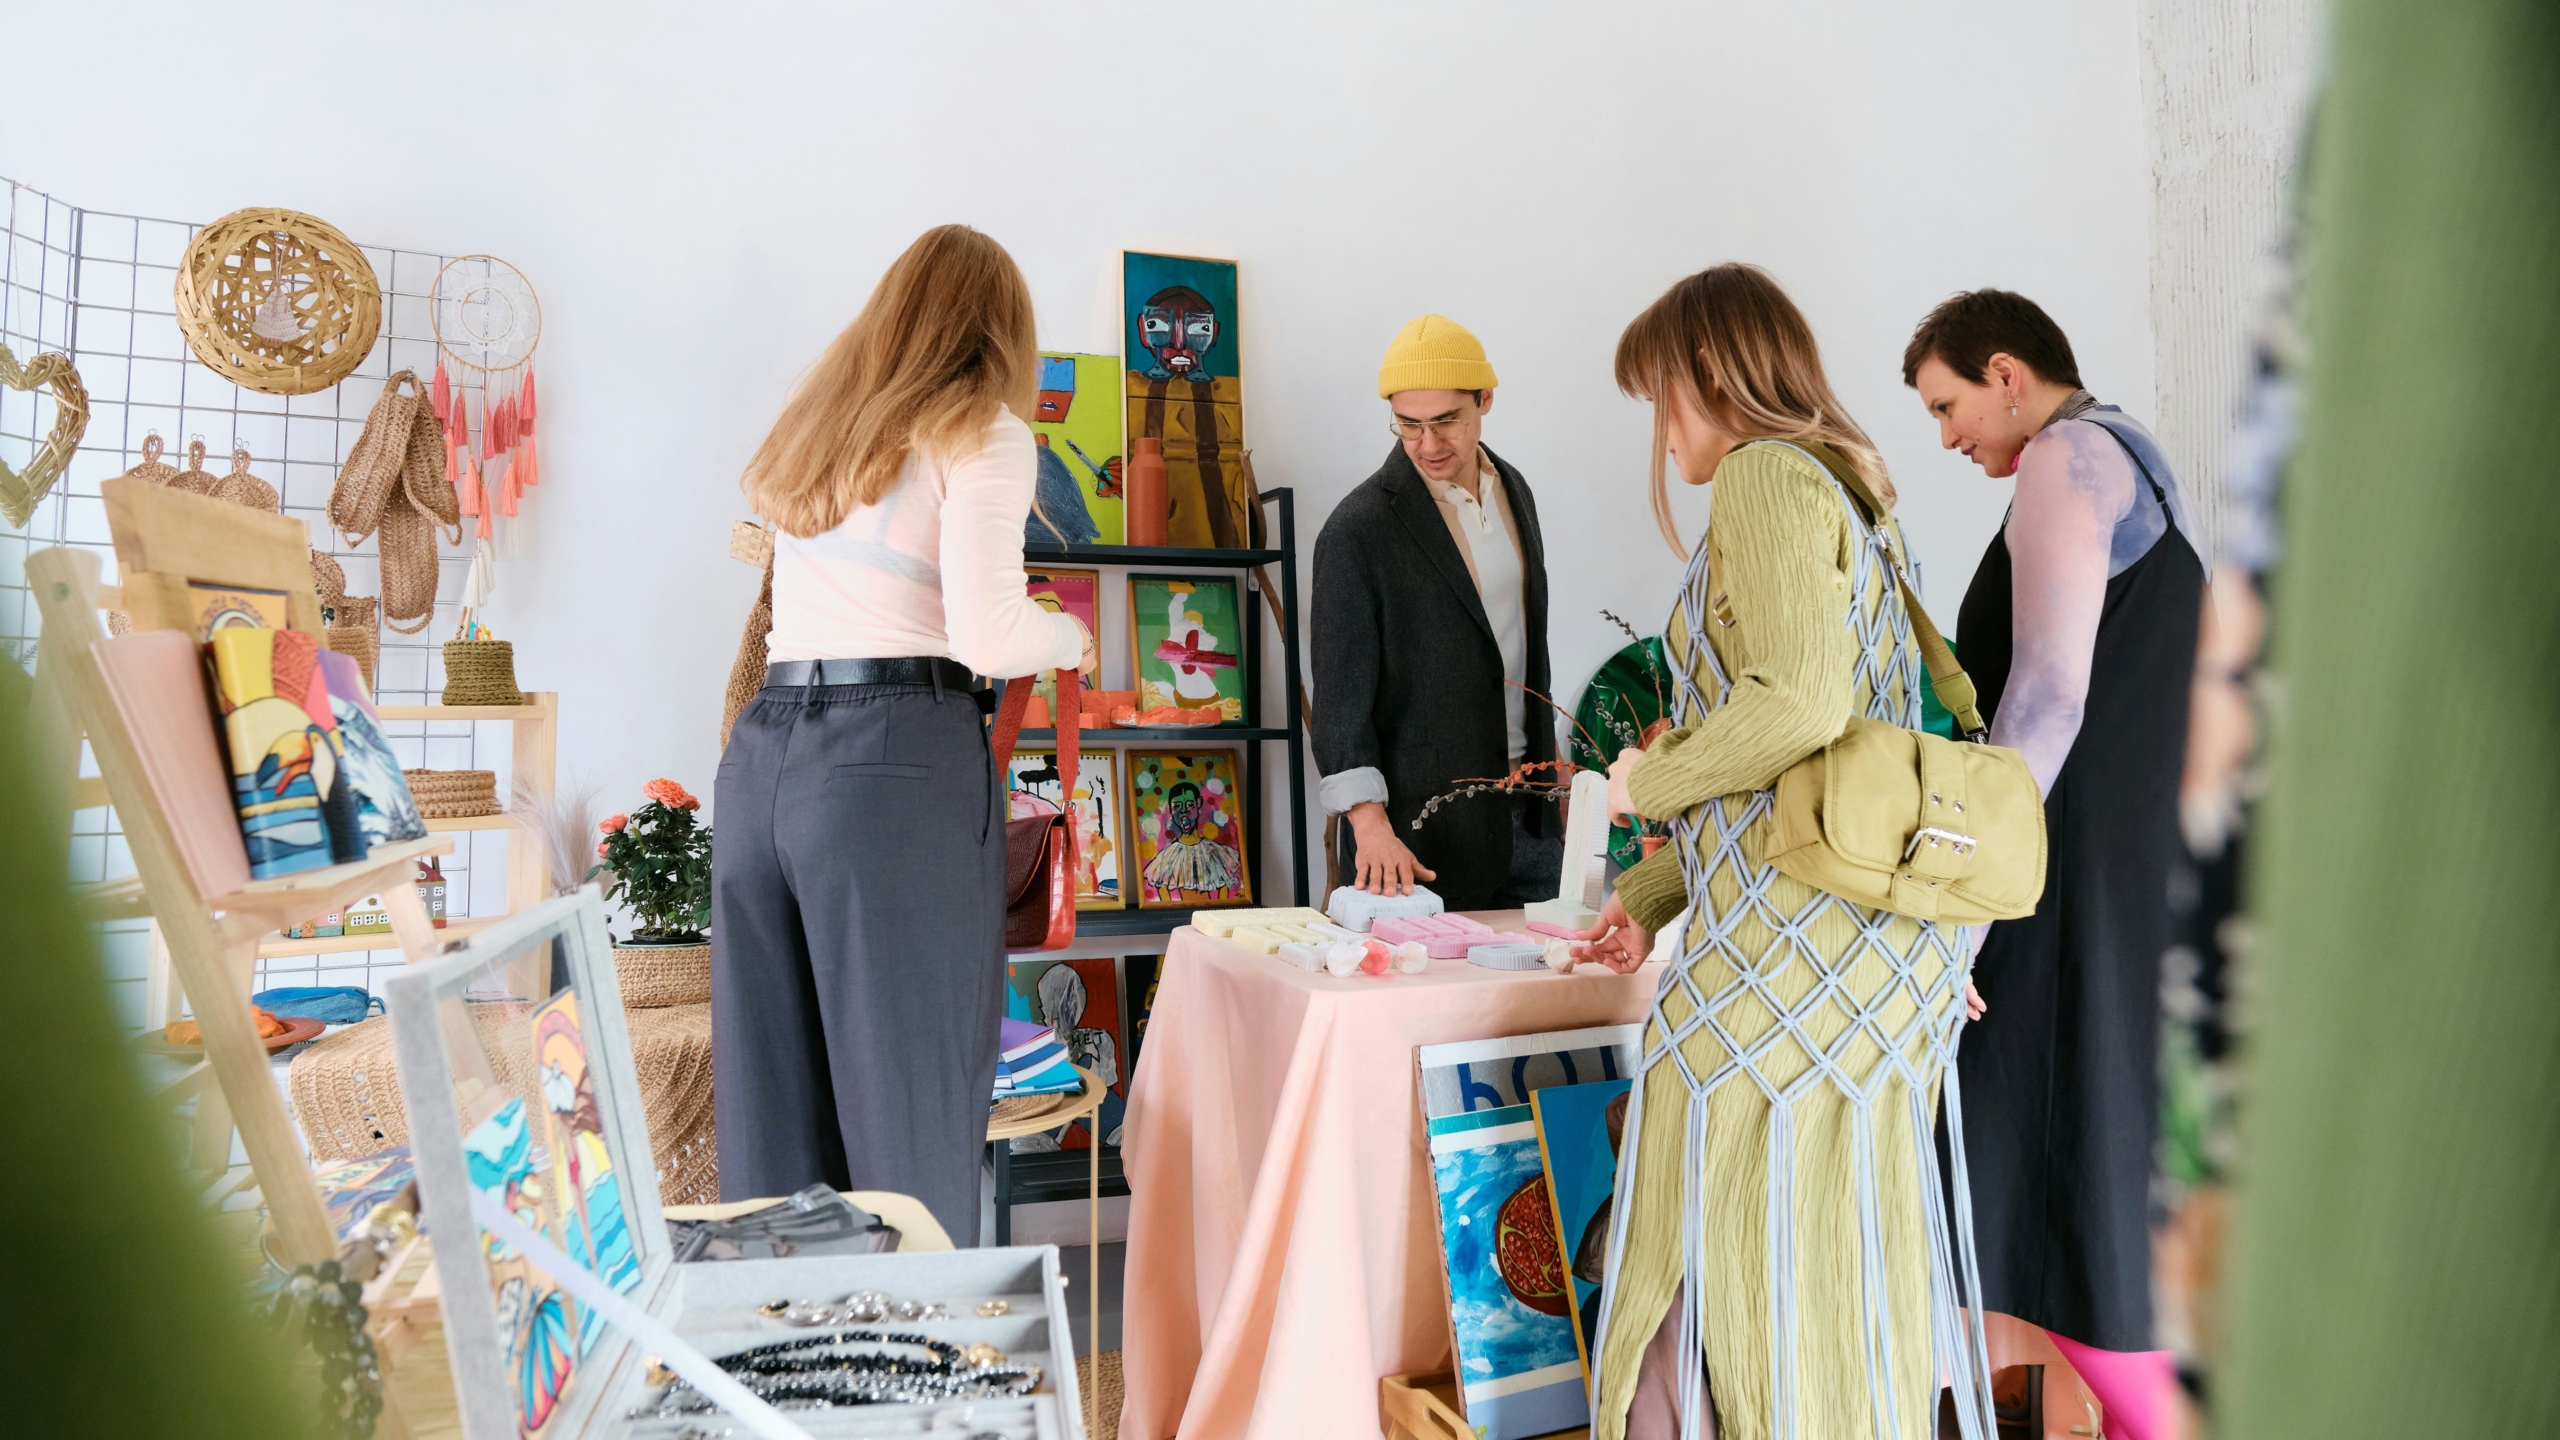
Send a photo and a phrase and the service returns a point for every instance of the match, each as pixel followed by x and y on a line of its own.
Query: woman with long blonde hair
pixel 857 887
pixel 1779 1264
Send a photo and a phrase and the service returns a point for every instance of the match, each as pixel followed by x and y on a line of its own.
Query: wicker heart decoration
pixel 20 490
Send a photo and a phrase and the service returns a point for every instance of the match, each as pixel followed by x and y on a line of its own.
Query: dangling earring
pixel 2013 412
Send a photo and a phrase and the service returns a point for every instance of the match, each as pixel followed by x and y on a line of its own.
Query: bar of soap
pixel 1446 937
pixel 1563 914
pixel 1357 909
pixel 1306 955
pixel 1257 939
pixel 1522 955
pixel 1222 923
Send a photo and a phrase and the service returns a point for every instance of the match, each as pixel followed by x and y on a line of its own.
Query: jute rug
pixel 1104 1390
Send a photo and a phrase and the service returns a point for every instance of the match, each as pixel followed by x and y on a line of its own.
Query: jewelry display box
pixel 510 1074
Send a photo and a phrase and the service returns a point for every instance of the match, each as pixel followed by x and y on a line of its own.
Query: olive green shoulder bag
pixel 1902 820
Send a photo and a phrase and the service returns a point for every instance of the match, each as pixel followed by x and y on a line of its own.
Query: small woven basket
pixel 480 672
pixel 655 976
pixel 453 794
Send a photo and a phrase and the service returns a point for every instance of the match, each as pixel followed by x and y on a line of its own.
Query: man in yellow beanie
pixel 1429 616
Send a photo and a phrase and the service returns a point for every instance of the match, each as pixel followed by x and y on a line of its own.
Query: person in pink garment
pixel 857 892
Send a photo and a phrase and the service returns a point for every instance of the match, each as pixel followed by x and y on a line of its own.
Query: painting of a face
pixel 1182 808
pixel 1179 328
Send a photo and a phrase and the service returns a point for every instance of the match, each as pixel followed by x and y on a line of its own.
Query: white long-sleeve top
pixel 934 568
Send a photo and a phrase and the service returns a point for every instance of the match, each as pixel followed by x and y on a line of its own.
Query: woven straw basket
pixel 480 672
pixel 453 794
pixel 655 976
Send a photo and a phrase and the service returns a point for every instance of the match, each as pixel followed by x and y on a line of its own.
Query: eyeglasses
pixel 1404 429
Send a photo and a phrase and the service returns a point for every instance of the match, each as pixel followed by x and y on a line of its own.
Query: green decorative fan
pixel 1627 694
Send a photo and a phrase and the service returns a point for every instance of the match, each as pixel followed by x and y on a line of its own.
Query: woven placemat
pixel 346 1089
pixel 453 794
pixel 480 672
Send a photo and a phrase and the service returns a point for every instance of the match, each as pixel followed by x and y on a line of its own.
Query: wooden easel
pixel 164 539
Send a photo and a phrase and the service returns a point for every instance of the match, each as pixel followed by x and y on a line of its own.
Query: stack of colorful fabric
pixel 1033 1061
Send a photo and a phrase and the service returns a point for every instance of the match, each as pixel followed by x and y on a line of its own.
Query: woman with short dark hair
pixel 2079 632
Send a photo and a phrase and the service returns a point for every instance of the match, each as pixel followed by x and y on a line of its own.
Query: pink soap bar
pixel 1444 937
pixel 1561 932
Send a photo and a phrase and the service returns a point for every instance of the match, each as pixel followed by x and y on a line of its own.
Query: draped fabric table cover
pixel 1282 1251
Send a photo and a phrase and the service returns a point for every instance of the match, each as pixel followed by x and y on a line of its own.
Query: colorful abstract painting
pixel 1080 1000
pixel 1076 423
pixel 350 1189
pixel 536 1318
pixel 1065 592
pixel 593 1228
pixel 1179 346
pixel 1034 783
pixel 1187 646
pixel 220 607
pixel 1186 829
pixel 1511 1293
pixel 385 811
pixel 295 812
pixel 1579 1130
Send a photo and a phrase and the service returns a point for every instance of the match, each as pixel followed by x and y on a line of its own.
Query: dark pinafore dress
pixel 2060 1076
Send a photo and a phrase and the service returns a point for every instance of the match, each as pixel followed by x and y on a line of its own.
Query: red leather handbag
pixel 1039 850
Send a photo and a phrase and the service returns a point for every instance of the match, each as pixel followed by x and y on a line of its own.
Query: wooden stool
pixel 1020 1115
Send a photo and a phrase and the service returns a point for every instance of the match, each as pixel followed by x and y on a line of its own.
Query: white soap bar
pixel 1507 957
pixel 1306 956
pixel 1222 923
pixel 1257 939
pixel 1566 914
pixel 1357 909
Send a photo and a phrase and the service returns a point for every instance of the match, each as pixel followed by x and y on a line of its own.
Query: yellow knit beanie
pixel 1434 353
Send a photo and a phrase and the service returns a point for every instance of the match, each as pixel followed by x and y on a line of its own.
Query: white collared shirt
pixel 1489 541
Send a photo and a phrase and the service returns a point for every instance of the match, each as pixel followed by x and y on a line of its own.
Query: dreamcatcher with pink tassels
pixel 487 323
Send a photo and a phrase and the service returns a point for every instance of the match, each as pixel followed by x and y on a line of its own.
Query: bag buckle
pixel 1933 836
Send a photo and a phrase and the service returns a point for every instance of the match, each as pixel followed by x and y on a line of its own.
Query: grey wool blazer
pixel 1408 676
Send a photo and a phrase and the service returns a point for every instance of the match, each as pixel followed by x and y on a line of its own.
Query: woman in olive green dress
pixel 1779 1216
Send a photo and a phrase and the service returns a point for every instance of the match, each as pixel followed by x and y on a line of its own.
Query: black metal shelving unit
pixel 1064 1174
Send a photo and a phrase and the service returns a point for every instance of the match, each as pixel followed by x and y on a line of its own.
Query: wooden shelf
pixel 1143 555
pixel 467 712
pixel 277 947
pixel 290 897
pixel 500 821
pixel 1154 733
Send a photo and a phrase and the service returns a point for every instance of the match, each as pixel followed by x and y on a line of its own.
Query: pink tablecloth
pixel 1282 1253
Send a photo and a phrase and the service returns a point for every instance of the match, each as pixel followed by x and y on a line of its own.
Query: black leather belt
pixel 898 670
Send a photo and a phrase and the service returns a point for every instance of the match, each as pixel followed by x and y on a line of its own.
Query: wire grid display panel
pixel 99 287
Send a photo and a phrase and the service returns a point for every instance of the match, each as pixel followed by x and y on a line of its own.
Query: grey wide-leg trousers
pixel 857 952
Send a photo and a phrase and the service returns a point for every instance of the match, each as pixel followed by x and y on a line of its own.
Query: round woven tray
pixel 480 672
pixel 1018 1115
pixel 654 976
pixel 453 794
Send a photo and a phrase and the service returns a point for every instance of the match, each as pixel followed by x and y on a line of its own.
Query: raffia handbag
pixel 1906 821
pixel 1039 850
pixel 394 481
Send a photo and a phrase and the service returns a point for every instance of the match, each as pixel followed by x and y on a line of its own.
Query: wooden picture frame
pixel 1223 813
pixel 1059 582
pixel 1109 821
pixel 1219 635
pixel 176 552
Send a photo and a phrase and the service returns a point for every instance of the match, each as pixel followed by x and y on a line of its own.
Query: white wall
pixel 2224 83
pixel 704 196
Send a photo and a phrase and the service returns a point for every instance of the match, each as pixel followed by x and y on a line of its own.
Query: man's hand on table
pixel 1386 864
pixel 1616 941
